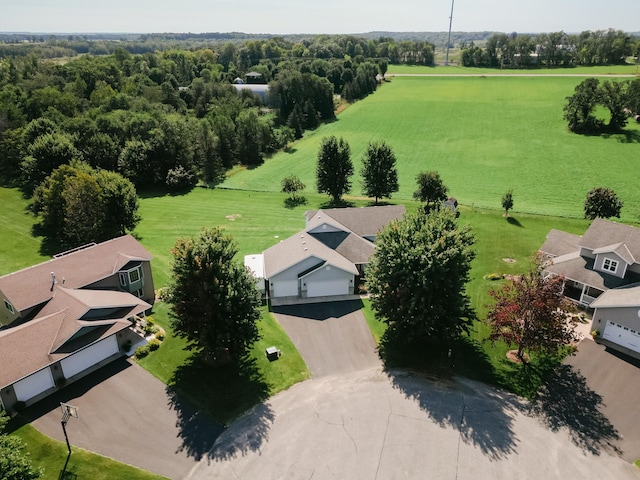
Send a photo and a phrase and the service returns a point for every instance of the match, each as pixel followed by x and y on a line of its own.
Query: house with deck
pixel 66 317
pixel 602 272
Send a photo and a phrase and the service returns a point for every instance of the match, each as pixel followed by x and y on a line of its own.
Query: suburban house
pixel 327 259
pixel 64 318
pixel 602 272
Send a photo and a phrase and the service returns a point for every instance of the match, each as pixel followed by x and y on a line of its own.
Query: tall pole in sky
pixel 446 60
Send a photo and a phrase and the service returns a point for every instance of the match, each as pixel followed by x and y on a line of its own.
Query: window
pixel 134 275
pixel 139 293
pixel 123 279
pixel 9 307
pixel 610 265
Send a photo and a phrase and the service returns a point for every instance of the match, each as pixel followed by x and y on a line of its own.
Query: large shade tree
pixel 417 277
pixel 334 169
pixel 530 312
pixel 603 203
pixel 214 300
pixel 379 173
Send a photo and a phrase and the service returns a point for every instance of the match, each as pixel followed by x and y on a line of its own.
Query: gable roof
pixel 74 270
pixel 619 249
pixel 626 296
pixel 602 233
pixel 363 221
pixel 573 266
pixel 560 243
pixel 299 247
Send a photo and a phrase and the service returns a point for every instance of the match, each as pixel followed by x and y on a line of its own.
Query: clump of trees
pixel 15 464
pixel 554 49
pixel 214 301
pixel 417 277
pixel 602 202
pixel 620 98
pixel 77 204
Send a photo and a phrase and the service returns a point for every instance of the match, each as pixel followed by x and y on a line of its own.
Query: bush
pixel 493 276
pixel 160 336
pixel 142 352
pixel 153 345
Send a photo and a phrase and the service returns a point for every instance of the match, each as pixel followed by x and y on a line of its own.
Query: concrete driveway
pixel 127 414
pixel 614 380
pixel 333 338
pixel 376 425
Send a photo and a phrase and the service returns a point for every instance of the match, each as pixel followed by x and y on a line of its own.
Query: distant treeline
pixel 556 49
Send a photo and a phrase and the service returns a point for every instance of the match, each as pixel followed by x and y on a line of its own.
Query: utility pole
pixel 446 60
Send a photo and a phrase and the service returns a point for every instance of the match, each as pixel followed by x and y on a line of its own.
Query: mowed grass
pixel 484 135
pixel 51 455
pixel 459 70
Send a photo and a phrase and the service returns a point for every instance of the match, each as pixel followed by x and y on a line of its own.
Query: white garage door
pixel 623 336
pixel 326 288
pixel 288 288
pixel 34 384
pixel 89 356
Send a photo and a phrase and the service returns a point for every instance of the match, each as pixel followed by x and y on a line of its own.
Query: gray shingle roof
pixel 602 233
pixel 560 243
pixel 627 296
pixel 575 267
pixel 364 221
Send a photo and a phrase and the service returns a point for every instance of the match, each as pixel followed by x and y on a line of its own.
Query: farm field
pixel 455 70
pixel 484 135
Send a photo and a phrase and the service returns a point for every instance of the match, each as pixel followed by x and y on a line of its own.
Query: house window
pixel 123 279
pixel 134 275
pixel 9 307
pixel 139 293
pixel 610 265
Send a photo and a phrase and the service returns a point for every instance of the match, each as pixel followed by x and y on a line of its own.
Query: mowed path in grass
pixel 485 135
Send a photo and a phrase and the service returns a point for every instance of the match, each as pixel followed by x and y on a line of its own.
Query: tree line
pixel 555 49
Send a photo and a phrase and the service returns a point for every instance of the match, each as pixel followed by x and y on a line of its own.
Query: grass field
pixel 485 135
pixel 451 70
pixel 50 455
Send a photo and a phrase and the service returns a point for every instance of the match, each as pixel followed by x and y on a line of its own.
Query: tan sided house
pixel 64 318
pixel 326 260
pixel 602 272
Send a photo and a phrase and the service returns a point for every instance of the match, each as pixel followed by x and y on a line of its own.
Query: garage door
pixel 623 336
pixel 326 288
pixel 287 288
pixel 31 386
pixel 84 359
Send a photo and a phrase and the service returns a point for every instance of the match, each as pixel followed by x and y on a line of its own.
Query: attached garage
pixel 327 281
pixel 327 288
pixel 89 356
pixel 34 384
pixel 623 336
pixel 285 288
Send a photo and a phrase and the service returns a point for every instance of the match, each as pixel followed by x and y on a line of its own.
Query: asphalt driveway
pixel 333 338
pixel 615 380
pixel 127 414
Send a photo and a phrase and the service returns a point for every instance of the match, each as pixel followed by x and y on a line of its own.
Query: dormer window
pixel 610 265
pixel 9 306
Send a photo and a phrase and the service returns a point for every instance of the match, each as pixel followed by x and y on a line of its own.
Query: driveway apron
pixel 333 338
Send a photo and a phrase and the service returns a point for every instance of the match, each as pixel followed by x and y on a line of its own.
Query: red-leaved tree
pixel 530 312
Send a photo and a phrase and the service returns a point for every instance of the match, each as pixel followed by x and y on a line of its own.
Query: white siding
pixel 34 384
pixel 88 357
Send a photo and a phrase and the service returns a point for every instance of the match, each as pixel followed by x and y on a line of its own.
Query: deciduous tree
pixel 292 185
pixel 417 276
pixel 15 464
pixel 507 202
pixel 379 173
pixel 530 312
pixel 334 168
pixel 430 188
pixel 214 300
pixel 603 203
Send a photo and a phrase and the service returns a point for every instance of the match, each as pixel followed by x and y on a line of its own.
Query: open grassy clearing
pixel 451 70
pixel 51 455
pixel 484 136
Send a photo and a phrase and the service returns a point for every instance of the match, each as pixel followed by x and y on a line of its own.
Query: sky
pixel 315 17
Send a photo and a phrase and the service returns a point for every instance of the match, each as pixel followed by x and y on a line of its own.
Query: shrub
pixel 153 345
pixel 142 352
pixel 493 276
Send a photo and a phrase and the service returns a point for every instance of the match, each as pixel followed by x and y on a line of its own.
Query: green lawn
pixel 483 135
pixel 458 70
pixel 51 455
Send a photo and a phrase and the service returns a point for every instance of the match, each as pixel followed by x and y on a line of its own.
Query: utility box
pixel 273 353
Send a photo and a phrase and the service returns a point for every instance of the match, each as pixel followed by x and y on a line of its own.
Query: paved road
pixel 127 414
pixel 615 381
pixel 373 425
pixel 333 338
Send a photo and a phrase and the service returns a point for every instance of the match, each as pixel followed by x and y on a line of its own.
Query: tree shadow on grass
pixel 339 204
pixel 293 202
pixel 566 402
pixel 483 416
pixel 514 221
pixel 224 392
